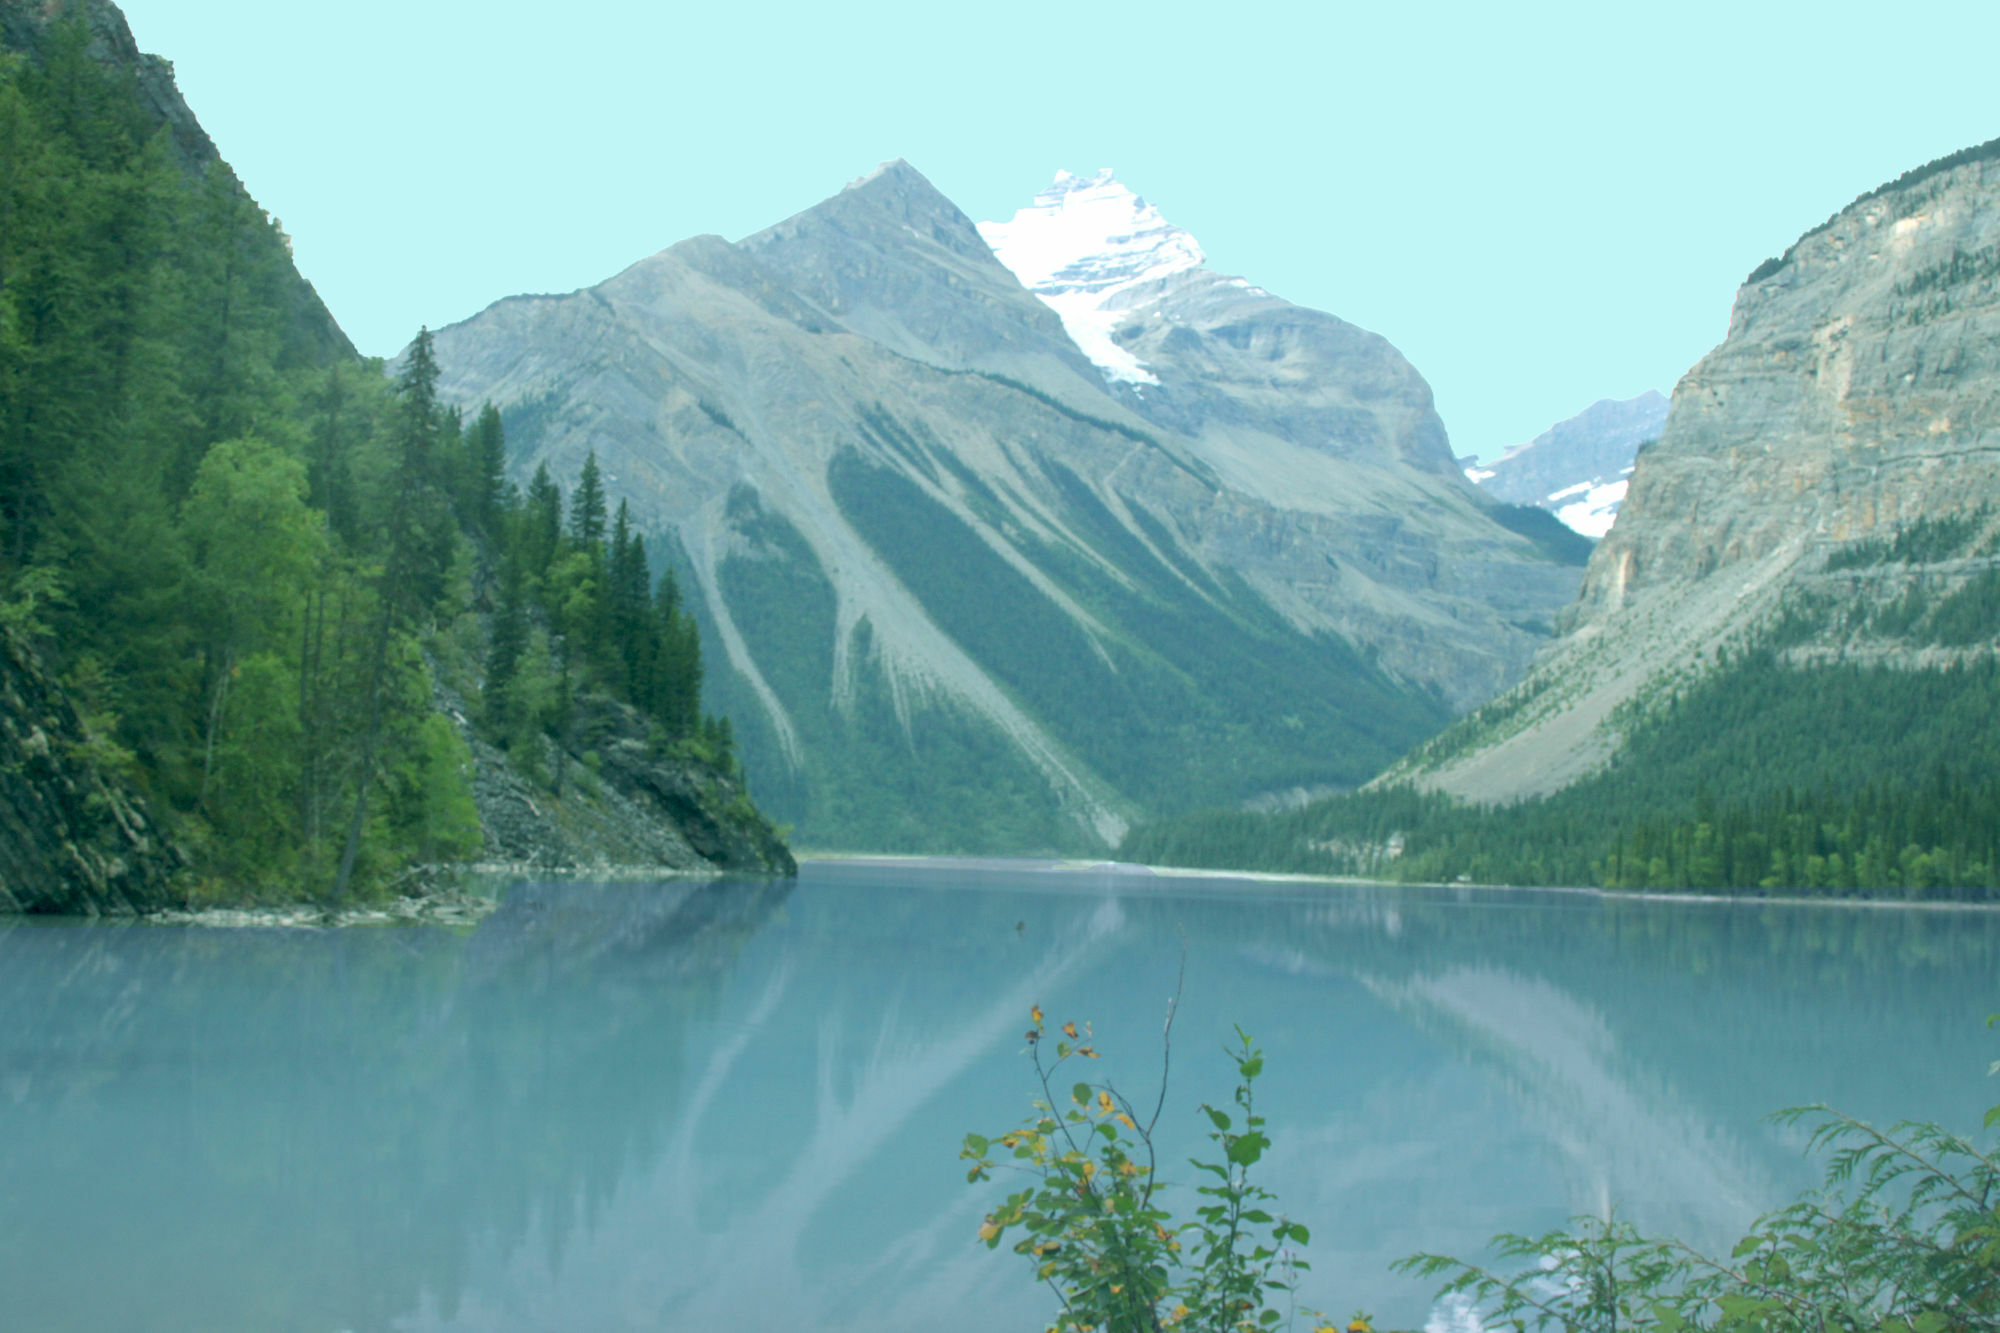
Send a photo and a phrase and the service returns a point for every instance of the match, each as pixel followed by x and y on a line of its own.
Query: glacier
pixel 1090 249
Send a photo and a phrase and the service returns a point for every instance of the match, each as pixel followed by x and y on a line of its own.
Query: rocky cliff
pixel 1840 447
pixel 74 840
pixel 965 585
pixel 623 805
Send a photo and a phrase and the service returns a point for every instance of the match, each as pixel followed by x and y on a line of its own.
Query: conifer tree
pixel 542 522
pixel 587 508
pixel 486 456
pixel 418 540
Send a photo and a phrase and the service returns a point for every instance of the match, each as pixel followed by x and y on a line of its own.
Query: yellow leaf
pixel 1127 1121
pixel 1103 1102
pixel 1069 1030
pixel 1035 1012
pixel 988 1229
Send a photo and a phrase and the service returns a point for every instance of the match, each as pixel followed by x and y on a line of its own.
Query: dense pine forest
pixel 1836 779
pixel 251 558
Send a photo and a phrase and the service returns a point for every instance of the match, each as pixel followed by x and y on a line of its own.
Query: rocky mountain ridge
pixel 1839 449
pixel 965 591
pixel 1577 469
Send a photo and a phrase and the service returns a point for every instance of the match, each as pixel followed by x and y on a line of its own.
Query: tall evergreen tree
pixel 418 539
pixel 486 457
pixel 542 522
pixel 587 507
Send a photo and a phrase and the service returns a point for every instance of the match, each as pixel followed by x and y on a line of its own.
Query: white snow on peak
pixel 1083 246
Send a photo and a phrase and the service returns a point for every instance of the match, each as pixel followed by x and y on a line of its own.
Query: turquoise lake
pixel 738 1105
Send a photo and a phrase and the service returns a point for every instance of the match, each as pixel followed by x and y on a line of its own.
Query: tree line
pixel 1834 779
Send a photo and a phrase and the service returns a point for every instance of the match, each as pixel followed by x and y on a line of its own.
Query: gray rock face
pixel 1854 393
pixel 620 807
pixel 1858 392
pixel 960 591
pixel 1575 468
pixel 73 841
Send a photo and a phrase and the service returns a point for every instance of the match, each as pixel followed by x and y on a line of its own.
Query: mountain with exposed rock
pixel 1578 469
pixel 1002 536
pixel 1824 487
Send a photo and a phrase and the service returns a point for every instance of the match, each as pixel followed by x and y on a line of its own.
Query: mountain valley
pixel 1779 671
pixel 1005 567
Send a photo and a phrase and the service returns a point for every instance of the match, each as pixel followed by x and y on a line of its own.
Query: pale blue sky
pixel 1541 205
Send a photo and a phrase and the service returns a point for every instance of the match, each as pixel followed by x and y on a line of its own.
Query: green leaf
pixel 975 1145
pixel 1246 1149
pixel 1252 1067
pixel 1300 1234
pixel 1217 1118
pixel 1080 1094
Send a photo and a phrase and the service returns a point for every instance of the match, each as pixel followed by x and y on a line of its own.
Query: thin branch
pixel 1167 1042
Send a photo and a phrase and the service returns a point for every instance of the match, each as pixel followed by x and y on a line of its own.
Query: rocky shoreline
pixel 428 896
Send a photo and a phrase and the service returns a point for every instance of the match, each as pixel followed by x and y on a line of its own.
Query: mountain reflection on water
pixel 738 1105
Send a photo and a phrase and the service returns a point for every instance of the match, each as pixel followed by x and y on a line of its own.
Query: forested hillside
pixel 1837 779
pixel 248 558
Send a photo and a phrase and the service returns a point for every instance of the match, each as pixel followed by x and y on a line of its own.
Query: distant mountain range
pixel 1003 536
pixel 1577 469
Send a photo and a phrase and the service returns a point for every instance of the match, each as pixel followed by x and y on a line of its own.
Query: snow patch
pixel 1593 514
pixel 1082 247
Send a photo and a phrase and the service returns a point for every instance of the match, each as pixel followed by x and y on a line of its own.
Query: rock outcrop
pixel 1856 395
pixel 622 805
pixel 74 840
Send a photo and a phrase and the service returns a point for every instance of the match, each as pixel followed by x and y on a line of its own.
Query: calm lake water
pixel 737 1106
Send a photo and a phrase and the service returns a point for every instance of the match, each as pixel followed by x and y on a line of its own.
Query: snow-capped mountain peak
pixel 1083 247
